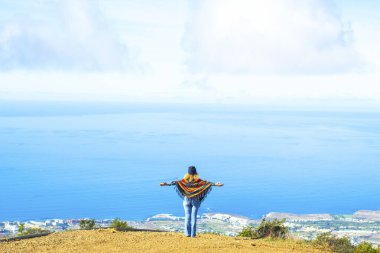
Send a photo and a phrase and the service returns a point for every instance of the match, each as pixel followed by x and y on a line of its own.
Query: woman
pixel 193 190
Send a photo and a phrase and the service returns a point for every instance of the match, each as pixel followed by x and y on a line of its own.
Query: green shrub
pixel 247 232
pixel 34 231
pixel 333 243
pixel 120 225
pixel 273 229
pixel 87 224
pixel 365 247
pixel 21 228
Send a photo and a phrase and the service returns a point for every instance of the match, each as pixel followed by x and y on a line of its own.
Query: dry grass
pixel 112 241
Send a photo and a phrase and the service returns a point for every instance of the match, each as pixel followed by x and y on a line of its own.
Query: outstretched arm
pixel 219 184
pixel 167 184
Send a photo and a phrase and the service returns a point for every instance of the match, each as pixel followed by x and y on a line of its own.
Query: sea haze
pixel 75 160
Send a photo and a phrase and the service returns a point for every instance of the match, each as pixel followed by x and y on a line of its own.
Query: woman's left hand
pixel 219 184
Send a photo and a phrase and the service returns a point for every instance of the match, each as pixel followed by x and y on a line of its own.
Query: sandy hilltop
pixel 108 240
pixel 217 233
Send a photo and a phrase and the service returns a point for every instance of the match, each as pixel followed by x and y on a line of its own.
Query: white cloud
pixel 271 37
pixel 233 63
pixel 74 36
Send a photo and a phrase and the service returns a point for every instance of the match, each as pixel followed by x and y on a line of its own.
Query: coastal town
pixel 359 226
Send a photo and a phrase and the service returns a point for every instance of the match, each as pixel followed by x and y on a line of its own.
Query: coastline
pixel 363 225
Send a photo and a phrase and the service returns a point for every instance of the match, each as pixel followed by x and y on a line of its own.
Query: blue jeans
pixel 191 207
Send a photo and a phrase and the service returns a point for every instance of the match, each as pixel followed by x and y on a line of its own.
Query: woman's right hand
pixel 163 184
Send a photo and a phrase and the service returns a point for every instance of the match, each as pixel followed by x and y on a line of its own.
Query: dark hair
pixel 192 170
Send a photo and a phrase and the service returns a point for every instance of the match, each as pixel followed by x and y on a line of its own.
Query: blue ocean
pixel 106 160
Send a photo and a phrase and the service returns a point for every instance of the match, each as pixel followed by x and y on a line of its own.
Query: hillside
pixel 108 240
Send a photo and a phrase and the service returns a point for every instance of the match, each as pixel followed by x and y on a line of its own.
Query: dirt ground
pixel 109 240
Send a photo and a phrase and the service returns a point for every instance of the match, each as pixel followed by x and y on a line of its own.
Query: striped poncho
pixel 197 189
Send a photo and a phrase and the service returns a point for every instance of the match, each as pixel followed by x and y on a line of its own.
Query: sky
pixel 279 52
